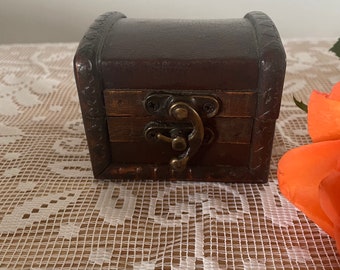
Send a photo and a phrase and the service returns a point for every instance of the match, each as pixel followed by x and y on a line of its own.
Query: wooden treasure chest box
pixel 180 99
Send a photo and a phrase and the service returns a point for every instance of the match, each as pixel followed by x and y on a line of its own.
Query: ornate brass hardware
pixel 178 143
pixel 188 133
pixel 159 104
pixel 182 111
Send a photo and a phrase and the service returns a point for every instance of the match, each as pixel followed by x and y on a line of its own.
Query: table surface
pixel 53 214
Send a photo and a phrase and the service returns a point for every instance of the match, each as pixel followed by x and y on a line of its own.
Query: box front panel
pixel 227 135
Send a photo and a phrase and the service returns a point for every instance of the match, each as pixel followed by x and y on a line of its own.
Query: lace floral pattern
pixel 53 214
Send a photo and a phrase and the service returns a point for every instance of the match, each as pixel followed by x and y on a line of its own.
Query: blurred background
pixel 32 21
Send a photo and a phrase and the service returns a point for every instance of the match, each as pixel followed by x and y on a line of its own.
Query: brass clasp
pixel 187 133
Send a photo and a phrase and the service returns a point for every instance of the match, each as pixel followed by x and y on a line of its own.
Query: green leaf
pixel 336 48
pixel 301 105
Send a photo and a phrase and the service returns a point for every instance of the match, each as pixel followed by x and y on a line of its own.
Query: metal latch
pixel 187 133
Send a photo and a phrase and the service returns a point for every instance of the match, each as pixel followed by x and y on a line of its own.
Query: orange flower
pixel 309 176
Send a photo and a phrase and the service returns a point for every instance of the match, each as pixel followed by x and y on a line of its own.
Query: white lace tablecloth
pixel 54 215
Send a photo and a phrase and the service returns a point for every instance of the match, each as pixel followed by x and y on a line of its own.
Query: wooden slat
pixel 130 102
pixel 127 129
pixel 227 130
pixel 232 130
pixel 158 154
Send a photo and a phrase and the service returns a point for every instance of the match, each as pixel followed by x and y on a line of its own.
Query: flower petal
pixel 335 93
pixel 330 201
pixel 323 117
pixel 300 172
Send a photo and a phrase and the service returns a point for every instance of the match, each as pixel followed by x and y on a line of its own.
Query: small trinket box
pixel 180 99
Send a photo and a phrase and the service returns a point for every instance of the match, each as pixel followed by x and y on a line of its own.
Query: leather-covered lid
pixel 180 54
